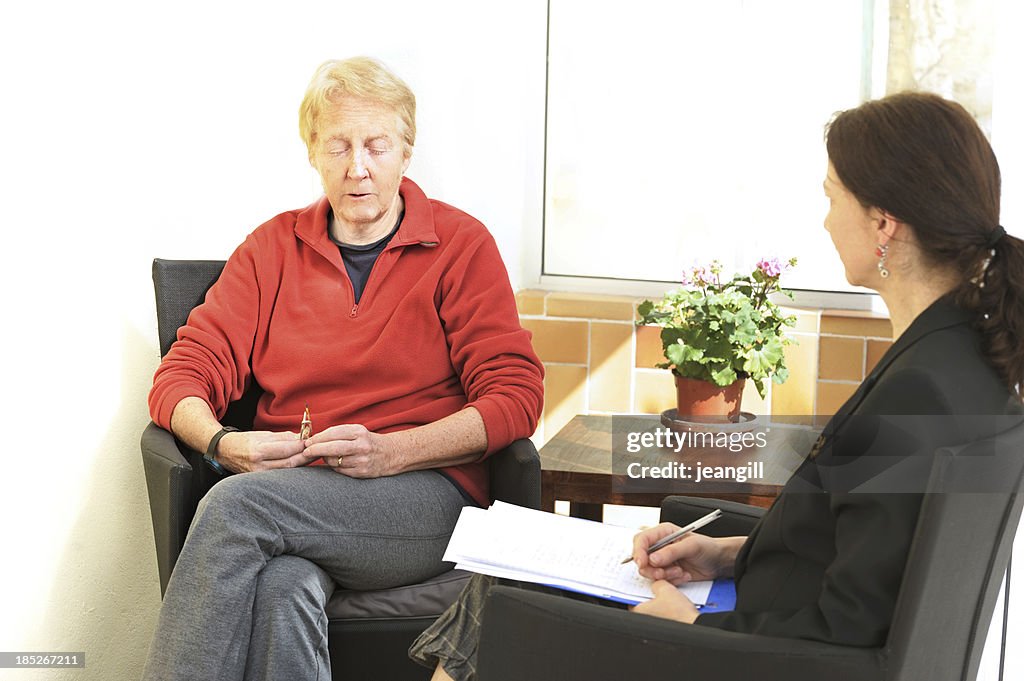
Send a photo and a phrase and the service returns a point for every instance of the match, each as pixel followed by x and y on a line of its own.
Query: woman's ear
pixel 888 227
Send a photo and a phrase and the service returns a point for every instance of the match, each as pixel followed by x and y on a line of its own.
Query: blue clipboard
pixel 722 597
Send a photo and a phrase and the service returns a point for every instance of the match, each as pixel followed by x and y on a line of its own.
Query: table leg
pixel 588 511
pixel 547 499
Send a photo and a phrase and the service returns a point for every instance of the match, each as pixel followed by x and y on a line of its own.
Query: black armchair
pixel 370 631
pixel 959 553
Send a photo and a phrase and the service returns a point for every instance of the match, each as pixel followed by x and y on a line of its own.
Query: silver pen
pixel 678 534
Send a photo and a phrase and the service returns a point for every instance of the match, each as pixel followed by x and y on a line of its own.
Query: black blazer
pixel 826 560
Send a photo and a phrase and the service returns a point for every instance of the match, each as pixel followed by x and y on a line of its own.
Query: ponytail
pixel 995 296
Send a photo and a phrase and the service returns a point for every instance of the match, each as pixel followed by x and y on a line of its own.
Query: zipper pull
pixel 355 310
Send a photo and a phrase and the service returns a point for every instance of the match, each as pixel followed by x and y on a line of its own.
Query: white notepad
pixel 571 553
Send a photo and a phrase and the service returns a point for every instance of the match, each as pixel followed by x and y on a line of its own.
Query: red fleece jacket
pixel 436 330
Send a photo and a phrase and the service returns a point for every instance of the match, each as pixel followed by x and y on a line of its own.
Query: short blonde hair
pixel 356 77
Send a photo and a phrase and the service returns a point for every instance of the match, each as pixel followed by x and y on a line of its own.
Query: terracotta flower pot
pixel 698 400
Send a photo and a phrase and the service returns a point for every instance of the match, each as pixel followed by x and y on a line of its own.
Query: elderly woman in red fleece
pixel 391 315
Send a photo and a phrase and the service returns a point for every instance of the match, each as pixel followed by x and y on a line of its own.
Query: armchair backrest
pixel 180 285
pixel 957 560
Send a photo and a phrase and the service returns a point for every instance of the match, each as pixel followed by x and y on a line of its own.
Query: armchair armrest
pixel 737 519
pixel 530 635
pixel 515 474
pixel 169 481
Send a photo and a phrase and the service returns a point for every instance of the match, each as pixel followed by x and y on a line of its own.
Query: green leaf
pixel 759 384
pixel 746 289
pixel 745 335
pixel 680 354
pixel 763 360
pixel 723 377
pixel 671 336
pixel 720 349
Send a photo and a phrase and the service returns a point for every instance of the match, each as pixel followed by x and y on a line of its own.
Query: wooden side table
pixel 576 466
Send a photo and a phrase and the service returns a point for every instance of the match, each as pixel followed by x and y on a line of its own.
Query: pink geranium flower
pixel 703 275
pixel 770 267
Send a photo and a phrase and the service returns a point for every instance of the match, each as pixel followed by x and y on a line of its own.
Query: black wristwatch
pixel 211 451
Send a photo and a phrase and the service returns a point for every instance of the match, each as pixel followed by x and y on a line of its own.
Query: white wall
pixel 132 130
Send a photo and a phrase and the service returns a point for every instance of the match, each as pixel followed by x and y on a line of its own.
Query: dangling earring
pixel 882 252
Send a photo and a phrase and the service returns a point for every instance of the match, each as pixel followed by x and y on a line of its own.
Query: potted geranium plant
pixel 717 334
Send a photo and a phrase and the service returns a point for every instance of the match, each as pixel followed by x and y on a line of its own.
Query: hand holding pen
pixel 680 533
pixel 680 555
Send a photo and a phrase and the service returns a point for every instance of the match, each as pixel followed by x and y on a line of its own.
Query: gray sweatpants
pixel 247 596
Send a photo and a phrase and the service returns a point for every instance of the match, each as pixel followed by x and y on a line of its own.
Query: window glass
pixel 684 132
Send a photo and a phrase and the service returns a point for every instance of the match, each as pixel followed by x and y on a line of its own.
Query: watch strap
pixel 211 450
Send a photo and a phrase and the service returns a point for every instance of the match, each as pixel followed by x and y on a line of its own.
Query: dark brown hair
pixel 925 161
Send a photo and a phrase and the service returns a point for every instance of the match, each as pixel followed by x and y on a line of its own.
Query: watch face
pixel 217 468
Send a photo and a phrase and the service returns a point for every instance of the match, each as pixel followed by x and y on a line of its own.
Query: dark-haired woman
pixel 913 187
